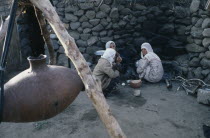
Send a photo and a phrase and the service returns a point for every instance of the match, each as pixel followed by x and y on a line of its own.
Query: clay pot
pixel 135 83
pixel 40 92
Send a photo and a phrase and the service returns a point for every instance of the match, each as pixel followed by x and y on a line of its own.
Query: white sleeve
pixel 142 64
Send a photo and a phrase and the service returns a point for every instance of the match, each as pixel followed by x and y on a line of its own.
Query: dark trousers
pixel 112 86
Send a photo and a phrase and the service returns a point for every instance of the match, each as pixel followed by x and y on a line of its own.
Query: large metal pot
pixel 40 92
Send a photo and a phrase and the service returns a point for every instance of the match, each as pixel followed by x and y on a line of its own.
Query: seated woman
pixel 104 69
pixel 111 44
pixel 150 66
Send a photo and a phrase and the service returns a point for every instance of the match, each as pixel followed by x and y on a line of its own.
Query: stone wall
pixel 178 34
pixel 166 27
pixel 197 62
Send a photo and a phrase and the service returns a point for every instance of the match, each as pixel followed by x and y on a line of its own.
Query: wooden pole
pixel 46 35
pixel 3 28
pixel 207 7
pixel 93 88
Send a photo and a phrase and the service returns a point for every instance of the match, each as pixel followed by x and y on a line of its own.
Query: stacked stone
pixel 93 26
pixel 163 27
pixel 197 62
pixel 85 25
pixel 5 7
pixel 171 31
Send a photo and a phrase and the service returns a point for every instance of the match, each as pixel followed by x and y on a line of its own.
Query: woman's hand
pixel 119 59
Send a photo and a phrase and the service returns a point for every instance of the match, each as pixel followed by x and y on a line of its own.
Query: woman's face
pixel 112 45
pixel 144 51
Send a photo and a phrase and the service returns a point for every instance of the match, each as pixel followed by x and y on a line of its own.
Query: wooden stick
pixel 4 25
pixel 93 88
pixel 207 7
pixel 3 28
pixel 46 35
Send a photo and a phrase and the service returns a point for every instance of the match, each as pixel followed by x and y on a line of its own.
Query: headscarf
pixel 109 54
pixel 150 54
pixel 108 44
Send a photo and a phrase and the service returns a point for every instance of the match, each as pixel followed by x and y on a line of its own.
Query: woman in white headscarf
pixel 150 66
pixel 104 71
pixel 111 44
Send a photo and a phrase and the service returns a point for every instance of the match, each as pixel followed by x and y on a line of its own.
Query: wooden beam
pixel 93 87
pixel 207 7
pixel 3 28
pixel 46 35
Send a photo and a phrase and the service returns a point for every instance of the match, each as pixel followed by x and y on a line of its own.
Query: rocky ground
pixel 158 113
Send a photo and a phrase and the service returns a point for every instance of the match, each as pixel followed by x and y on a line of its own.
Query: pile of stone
pixel 197 62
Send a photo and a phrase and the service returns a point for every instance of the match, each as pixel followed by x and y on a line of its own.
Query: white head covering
pixel 109 54
pixel 108 44
pixel 150 54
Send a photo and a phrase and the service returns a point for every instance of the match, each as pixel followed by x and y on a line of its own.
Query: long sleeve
pixel 109 71
pixel 142 64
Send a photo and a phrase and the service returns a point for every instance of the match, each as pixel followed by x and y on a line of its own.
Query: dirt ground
pixel 158 113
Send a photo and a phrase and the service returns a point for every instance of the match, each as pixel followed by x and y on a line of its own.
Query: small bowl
pixel 135 83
